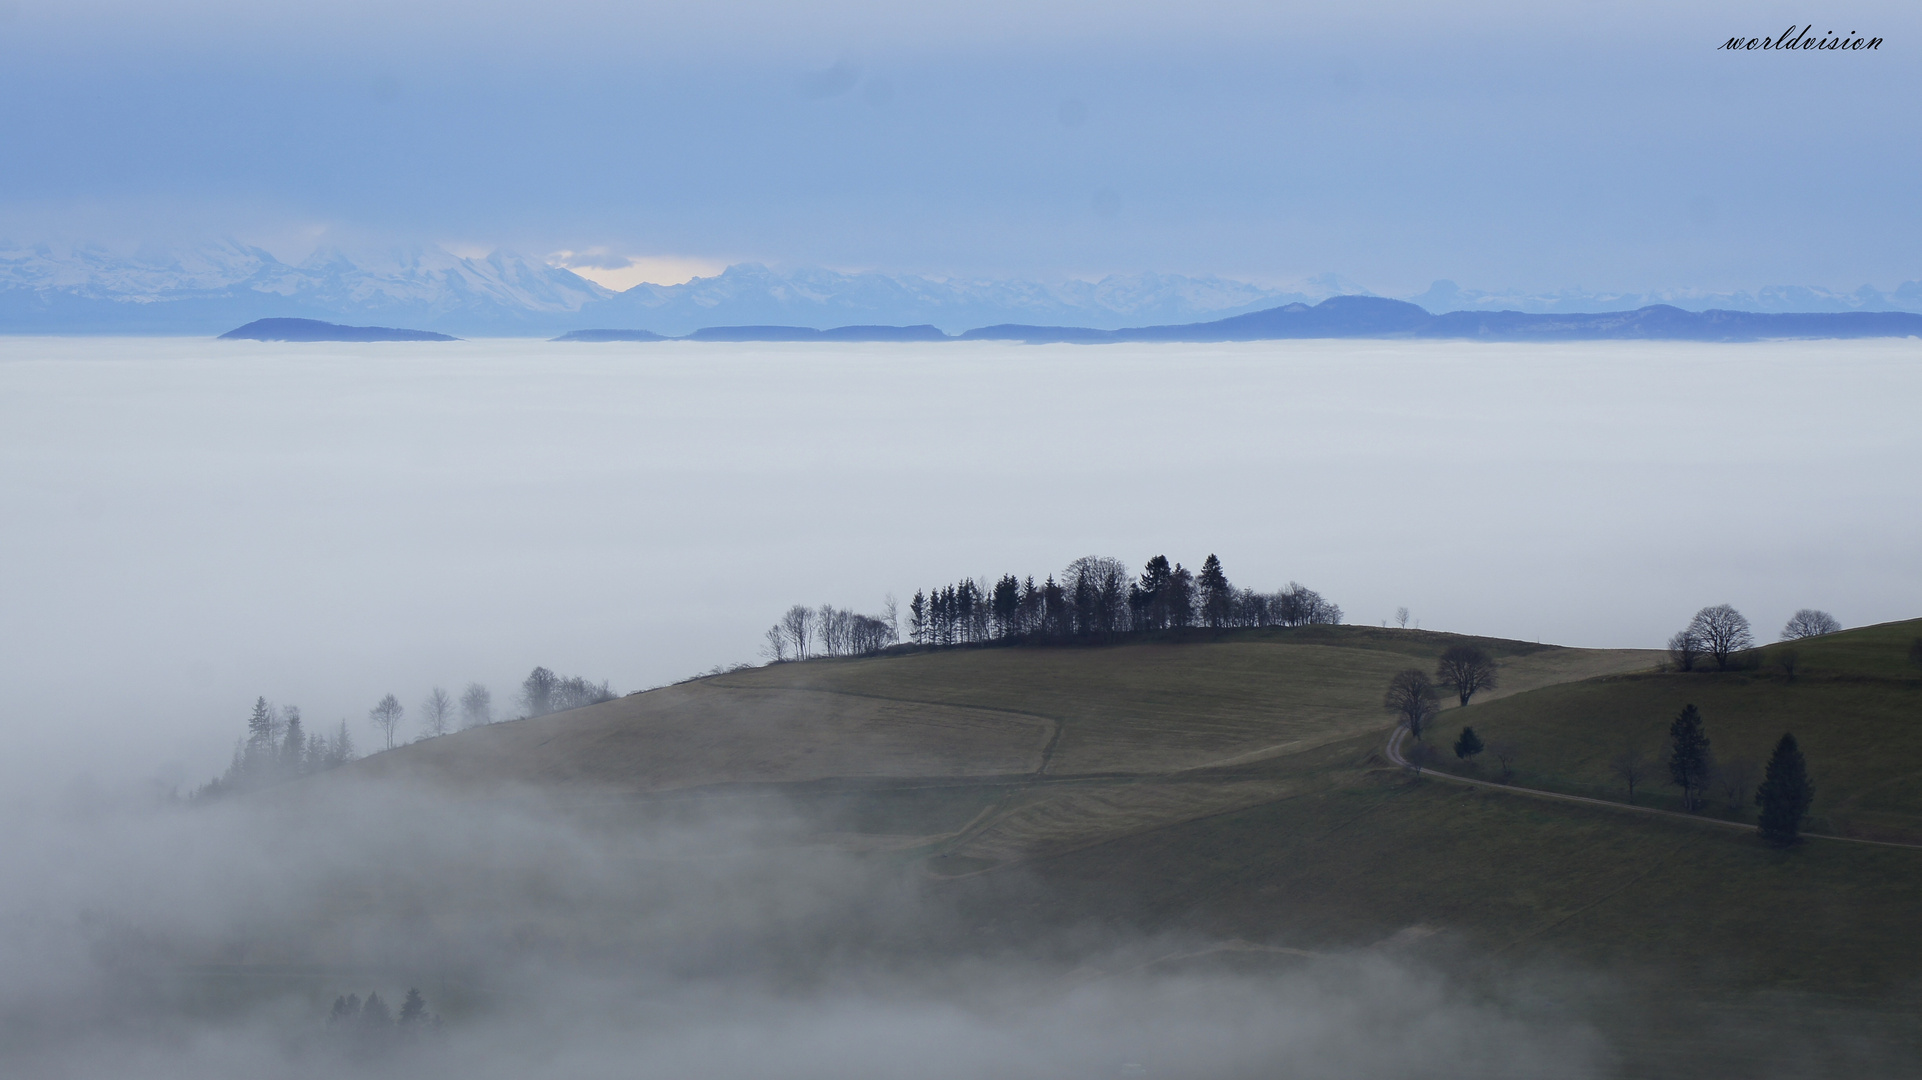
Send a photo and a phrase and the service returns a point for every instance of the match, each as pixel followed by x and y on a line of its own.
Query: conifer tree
pixel 1468 745
pixel 918 618
pixel 414 1009
pixel 1056 619
pixel 1217 598
pixel 1180 594
pixel 261 724
pixel 293 745
pixel 1007 606
pixel 374 1012
pixel 1150 594
pixel 1785 794
pixel 1688 760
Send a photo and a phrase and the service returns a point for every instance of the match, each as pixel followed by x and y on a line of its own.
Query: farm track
pixel 1401 733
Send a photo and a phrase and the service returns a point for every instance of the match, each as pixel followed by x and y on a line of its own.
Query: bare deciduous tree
pixel 1401 617
pixel 1809 622
pixel 476 706
pixel 1631 767
pixel 1735 782
pixel 386 717
pixel 1684 650
pixel 1504 752
pixel 575 692
pixel 776 648
pixel 1412 698
pixel 437 713
pixel 1467 669
pixel 537 692
pixel 798 624
pixel 1723 631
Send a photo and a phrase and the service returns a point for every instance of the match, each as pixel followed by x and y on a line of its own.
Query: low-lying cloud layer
pixel 587 941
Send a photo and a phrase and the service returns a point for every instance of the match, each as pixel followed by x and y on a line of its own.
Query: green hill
pixel 1853 701
pixel 1235 787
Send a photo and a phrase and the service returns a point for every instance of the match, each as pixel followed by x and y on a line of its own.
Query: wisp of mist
pixel 588 940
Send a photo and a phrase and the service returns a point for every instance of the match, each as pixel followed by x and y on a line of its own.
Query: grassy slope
pixel 1854 705
pixel 1235 787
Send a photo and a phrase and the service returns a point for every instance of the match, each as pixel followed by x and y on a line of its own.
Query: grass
pixel 1854 704
pixel 1233 786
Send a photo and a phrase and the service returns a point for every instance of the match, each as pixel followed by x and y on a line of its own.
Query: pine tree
pixel 374 1013
pixel 1785 794
pixel 1688 760
pixel 1217 598
pixel 414 1009
pixel 918 618
pixel 1056 620
pixel 1149 596
pixel 293 745
pixel 1468 745
pixel 1007 606
pixel 1180 597
pixel 260 724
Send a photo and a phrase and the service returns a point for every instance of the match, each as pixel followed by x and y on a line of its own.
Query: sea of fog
pixel 190 524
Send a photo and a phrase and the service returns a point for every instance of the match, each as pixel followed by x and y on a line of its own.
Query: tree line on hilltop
pixel 278 748
pixel 1094 599
pixel 372 1027
pixel 1719 633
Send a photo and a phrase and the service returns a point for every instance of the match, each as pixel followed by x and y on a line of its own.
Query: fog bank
pixel 577 942
pixel 192 524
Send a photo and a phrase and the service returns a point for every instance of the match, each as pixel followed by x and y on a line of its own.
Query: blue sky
pixel 1605 146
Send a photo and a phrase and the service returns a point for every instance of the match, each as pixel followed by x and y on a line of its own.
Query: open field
pixel 1235 787
pixel 1854 704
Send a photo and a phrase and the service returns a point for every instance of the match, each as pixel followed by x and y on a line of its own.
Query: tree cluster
pixel 1098 599
pixel 830 631
pixel 1414 698
pixel 1716 633
pixel 544 692
pixel 278 747
pixel 1784 796
pixel 374 1025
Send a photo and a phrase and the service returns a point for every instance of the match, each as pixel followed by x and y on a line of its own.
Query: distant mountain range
pixel 205 289
pixel 1365 317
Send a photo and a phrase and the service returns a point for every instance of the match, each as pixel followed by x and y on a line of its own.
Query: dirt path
pixel 1401 733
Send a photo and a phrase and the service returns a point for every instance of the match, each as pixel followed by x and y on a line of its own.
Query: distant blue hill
pixel 611 335
pixel 770 333
pixel 315 330
pixel 1378 317
pixel 1367 317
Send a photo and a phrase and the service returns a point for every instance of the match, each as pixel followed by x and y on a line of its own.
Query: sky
pixel 1500 145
